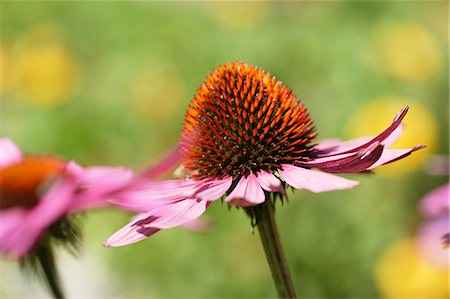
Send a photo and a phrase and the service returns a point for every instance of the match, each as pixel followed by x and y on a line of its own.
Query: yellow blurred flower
pixel 5 68
pixel 402 273
pixel 45 71
pixel 420 128
pixel 238 15
pixel 409 52
pixel 156 92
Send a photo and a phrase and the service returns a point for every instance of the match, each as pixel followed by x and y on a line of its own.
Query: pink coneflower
pixel 37 193
pixel 246 136
pixel 433 234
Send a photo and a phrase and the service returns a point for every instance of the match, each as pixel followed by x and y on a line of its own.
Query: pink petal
pixel 387 137
pixel 129 234
pixel 21 228
pixel 430 242
pixel 246 193
pixel 392 155
pixel 147 224
pixel 167 163
pixel 436 202
pixel 17 234
pixel 269 182
pixel 312 180
pixel 9 152
pixel 144 196
pixel 55 203
pixel 197 225
pixel 213 189
pixel 348 163
pixel 394 136
pixel 178 213
pixel 336 146
pixel 97 184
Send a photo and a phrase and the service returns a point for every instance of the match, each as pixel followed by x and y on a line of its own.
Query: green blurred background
pixel 109 83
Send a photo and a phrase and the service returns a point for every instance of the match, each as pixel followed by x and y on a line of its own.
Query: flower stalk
pixel 270 239
pixel 46 260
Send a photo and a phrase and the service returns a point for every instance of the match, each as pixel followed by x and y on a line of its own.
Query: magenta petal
pixel 312 180
pixel 246 193
pixel 436 202
pixel 348 163
pixel 336 146
pixel 387 137
pixel 9 152
pixel 167 163
pixel 392 155
pixel 269 182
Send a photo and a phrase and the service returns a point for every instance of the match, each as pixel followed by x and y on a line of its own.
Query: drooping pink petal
pixel 178 213
pixel 55 203
pixel 9 152
pixel 169 162
pixel 144 196
pixel 348 163
pixel 129 234
pixel 313 180
pixel 212 190
pixel 17 234
pixel 269 182
pixel 147 224
pixel 392 155
pixel 247 192
pixel 436 202
pixel 197 225
pixel 20 228
pixel 387 138
pixel 97 184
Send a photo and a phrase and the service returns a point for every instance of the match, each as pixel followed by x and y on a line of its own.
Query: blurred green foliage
pixel 139 64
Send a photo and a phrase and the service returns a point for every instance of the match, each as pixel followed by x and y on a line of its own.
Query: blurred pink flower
pixel 38 191
pixel 246 136
pixel 433 234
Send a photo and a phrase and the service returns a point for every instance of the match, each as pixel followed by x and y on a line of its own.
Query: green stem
pixel 268 232
pixel 46 260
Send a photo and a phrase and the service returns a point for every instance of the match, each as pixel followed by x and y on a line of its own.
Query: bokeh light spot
pixel 45 72
pixel 239 15
pixel 409 52
pixel 401 273
pixel 157 92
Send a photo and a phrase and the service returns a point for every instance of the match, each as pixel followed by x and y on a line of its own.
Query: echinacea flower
pixel 38 192
pixel 433 234
pixel 245 137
